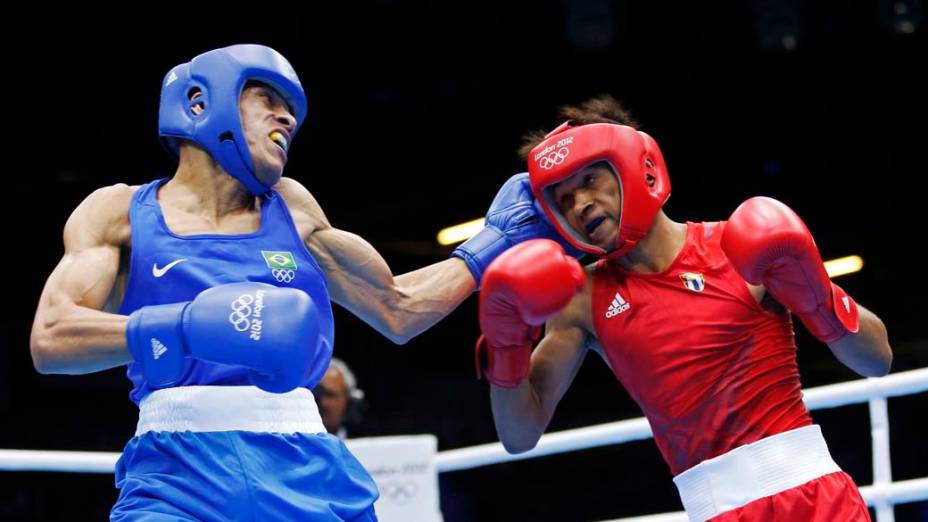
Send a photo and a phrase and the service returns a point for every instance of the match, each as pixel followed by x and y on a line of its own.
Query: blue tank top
pixel 167 268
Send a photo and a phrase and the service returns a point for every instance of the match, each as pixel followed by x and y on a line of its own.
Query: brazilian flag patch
pixel 279 260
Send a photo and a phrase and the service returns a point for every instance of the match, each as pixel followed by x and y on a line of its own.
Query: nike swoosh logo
pixel 158 272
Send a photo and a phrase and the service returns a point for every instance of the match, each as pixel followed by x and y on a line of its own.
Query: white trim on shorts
pixel 229 408
pixel 753 471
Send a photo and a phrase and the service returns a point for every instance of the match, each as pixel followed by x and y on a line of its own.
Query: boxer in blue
pixel 214 288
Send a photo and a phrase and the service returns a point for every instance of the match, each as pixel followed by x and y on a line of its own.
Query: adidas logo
pixel 157 349
pixel 171 78
pixel 846 301
pixel 617 306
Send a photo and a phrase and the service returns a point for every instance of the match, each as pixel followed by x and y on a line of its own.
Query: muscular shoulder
pixel 102 218
pixel 307 214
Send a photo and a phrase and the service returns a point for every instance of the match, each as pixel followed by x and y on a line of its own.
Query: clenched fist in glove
pixel 768 244
pixel 524 287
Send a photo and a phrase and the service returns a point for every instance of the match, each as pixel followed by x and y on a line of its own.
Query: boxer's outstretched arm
pixel 522 414
pixel 70 334
pixel 399 307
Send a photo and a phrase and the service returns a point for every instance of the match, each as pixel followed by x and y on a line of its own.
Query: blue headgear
pixel 220 76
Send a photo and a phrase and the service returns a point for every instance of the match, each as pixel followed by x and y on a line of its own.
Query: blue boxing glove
pixel 513 217
pixel 273 331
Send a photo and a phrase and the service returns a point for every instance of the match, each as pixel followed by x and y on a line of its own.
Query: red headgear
pixel 632 155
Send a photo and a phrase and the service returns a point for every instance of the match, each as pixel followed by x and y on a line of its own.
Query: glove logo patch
pixel 171 78
pixel 846 301
pixel 618 305
pixel 157 349
pixel 246 314
pixel 694 282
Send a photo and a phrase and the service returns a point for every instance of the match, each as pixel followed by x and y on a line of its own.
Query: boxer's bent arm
pixel 399 307
pixel 867 352
pixel 522 414
pixel 69 333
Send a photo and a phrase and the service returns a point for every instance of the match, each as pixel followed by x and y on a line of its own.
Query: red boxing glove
pixel 521 289
pixel 769 244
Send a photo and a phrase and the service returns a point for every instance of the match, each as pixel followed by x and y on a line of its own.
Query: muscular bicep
pixel 84 278
pixel 358 277
pixel 356 274
pixel 70 334
pixel 87 271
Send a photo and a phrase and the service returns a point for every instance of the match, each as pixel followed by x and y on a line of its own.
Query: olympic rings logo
pixel 399 492
pixel 241 312
pixel 283 275
pixel 554 159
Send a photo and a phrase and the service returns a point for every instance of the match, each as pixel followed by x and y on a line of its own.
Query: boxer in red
pixel 692 318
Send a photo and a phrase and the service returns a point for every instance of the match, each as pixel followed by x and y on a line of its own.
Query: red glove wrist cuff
pixel 506 367
pixel 833 322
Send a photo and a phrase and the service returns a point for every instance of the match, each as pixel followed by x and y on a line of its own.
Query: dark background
pixel 415 112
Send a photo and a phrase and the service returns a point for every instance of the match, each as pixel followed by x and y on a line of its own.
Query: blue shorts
pixel 241 476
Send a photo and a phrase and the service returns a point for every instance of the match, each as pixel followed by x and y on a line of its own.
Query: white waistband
pixel 754 471
pixel 229 408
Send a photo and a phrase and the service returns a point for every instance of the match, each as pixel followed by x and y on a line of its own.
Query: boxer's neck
pixel 658 248
pixel 201 186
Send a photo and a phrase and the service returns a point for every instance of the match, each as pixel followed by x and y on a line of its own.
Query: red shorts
pixel 830 498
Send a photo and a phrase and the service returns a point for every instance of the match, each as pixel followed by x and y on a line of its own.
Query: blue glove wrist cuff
pixel 155 338
pixel 481 249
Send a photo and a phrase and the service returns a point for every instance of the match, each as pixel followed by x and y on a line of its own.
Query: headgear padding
pixel 220 76
pixel 632 155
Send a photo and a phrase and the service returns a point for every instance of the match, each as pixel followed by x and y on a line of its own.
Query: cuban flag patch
pixel 694 282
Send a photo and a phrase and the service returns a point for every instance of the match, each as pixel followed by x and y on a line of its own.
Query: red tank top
pixel 709 367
